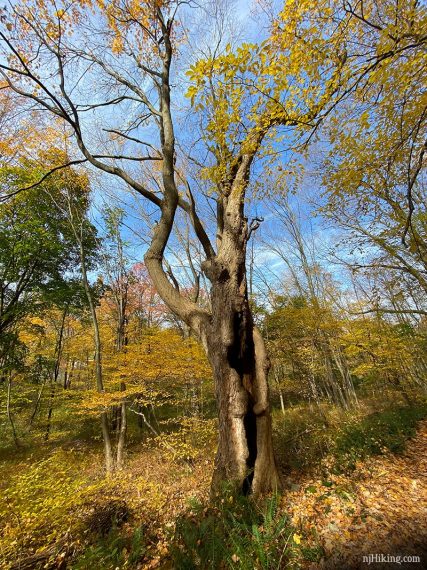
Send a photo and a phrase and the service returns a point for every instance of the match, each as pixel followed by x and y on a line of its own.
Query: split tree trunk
pixel 240 365
pixel 234 347
pixel 245 452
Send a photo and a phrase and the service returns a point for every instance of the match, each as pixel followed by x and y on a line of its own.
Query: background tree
pixel 36 250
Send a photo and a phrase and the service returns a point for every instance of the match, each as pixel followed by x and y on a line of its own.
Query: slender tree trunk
pixel 140 420
pixel 65 382
pixel 108 450
pixel 69 376
pixel 279 389
pixel 9 411
pixel 121 340
pixel 37 404
pixel 95 326
pixel 347 381
pixel 58 352
pixel 336 389
pixel 109 460
pixel 50 412
pixel 122 433
pixel 282 402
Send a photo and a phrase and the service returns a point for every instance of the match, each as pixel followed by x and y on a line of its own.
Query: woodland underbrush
pixel 59 510
pixel 307 437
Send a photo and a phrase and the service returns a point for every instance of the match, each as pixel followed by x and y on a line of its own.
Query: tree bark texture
pixel 240 365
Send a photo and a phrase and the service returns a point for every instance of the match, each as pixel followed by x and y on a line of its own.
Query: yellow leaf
pixel 297 538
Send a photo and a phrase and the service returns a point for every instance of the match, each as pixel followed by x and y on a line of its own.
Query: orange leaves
pixel 376 509
pixel 124 23
pixel 162 354
pixel 135 23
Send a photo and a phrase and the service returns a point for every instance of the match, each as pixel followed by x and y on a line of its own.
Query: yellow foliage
pixel 51 499
pixel 190 442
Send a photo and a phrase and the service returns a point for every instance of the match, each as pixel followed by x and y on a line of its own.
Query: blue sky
pixel 136 230
pixel 247 23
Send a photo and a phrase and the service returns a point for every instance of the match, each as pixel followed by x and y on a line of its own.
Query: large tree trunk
pixel 234 347
pixel 240 367
pixel 245 451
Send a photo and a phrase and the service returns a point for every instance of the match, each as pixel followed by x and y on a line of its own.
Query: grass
pixel 303 437
pixel 234 532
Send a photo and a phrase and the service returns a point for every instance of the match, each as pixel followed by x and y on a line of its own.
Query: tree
pixel 36 245
pixel 310 308
pixel 117 270
pixel 118 274
pixel 234 346
pixel 85 237
pixel 373 172
pixel 288 82
pixel 384 353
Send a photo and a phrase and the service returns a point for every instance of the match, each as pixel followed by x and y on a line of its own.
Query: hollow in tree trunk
pixel 240 365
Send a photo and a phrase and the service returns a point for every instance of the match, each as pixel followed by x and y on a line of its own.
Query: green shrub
pixel 113 551
pixel 303 437
pixel 233 533
pixel 377 433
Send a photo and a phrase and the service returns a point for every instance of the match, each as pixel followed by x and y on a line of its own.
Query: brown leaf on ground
pixel 379 509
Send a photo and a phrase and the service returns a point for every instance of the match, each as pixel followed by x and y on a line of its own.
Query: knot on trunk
pixel 215 271
pixel 260 407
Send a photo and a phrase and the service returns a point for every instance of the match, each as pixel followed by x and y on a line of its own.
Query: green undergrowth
pixel 304 437
pixel 62 501
pixel 377 433
pixel 116 550
pixel 60 505
pixel 230 532
pixel 234 532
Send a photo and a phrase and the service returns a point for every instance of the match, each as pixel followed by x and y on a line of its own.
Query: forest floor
pixel 358 487
pixel 380 508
